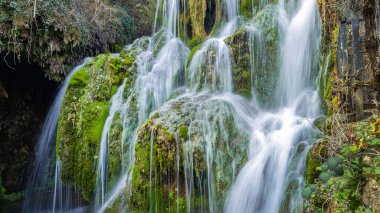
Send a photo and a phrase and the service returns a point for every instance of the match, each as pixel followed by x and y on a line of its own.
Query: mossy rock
pixel 314 160
pixel 204 15
pixel 176 131
pixel 260 37
pixel 192 52
pixel 83 113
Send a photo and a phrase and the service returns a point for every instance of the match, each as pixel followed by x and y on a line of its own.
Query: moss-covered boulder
pixel 83 113
pixel 183 144
pixel 255 51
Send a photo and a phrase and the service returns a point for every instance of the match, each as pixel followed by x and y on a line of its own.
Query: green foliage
pixel 183 131
pixel 341 185
pixel 196 41
pixel 192 52
pixel 325 176
pixel 306 193
pixel 324 167
pixel 332 163
pixel 57 32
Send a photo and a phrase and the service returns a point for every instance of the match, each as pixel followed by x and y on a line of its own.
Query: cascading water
pixel 260 185
pixel 101 172
pixel 43 169
pixel 41 179
pixel 158 75
pixel 236 154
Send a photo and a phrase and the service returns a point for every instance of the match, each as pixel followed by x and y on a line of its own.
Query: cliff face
pixel 343 172
pixel 39 45
pixel 351 34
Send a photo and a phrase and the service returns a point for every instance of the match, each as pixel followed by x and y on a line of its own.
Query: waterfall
pixel 261 184
pixel 158 75
pixel 41 177
pixel 101 172
pixel 279 137
pixel 237 154
pixel 297 53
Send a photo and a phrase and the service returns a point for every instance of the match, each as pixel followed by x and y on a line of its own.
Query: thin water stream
pixel 43 168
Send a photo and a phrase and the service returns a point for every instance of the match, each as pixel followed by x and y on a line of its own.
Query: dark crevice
pixel 189 30
pixel 22 113
pixel 210 16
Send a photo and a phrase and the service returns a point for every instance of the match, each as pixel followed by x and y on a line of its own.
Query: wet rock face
pixel 175 145
pixel 46 47
pixel 203 15
pixel 22 113
pixel 84 111
pixel 337 17
pixel 259 38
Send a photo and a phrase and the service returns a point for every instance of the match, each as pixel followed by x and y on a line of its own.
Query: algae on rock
pixel 84 110
pixel 255 51
pixel 182 143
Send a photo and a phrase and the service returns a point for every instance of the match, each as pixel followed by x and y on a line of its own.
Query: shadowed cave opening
pixel 25 97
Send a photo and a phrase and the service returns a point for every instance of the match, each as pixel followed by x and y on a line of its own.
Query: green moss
pixel 192 52
pixel 196 41
pixel 342 181
pixel 183 131
pixel 118 48
pixel 80 78
pixel 84 111
pixel 129 60
pixel 265 51
pixel 246 8
pixel 313 161
pixel 159 163
pixel 161 158
pixel 95 126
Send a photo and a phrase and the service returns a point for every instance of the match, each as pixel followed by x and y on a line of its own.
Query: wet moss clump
pixel 84 110
pixel 174 137
pixel 255 51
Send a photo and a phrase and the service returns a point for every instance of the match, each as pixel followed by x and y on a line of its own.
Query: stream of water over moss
pixel 220 126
